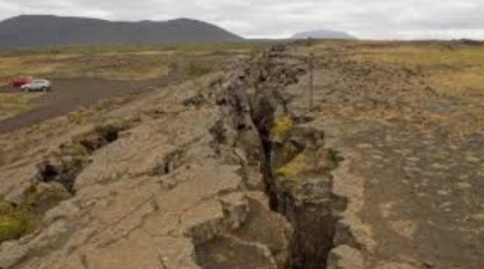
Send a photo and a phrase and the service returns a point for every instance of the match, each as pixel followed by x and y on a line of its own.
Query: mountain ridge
pixel 50 30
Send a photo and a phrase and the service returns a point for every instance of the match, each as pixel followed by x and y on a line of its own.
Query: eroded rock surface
pixel 178 187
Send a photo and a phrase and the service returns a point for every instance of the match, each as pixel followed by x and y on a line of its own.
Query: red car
pixel 19 82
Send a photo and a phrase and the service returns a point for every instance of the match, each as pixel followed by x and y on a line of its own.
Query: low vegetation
pixel 294 167
pixel 451 68
pixel 14 222
pixel 112 63
pixel 282 127
pixel 14 103
pixel 119 62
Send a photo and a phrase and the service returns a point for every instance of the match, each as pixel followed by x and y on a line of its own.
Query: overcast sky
pixel 390 19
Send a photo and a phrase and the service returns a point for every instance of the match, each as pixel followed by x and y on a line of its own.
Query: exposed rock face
pixel 183 189
pixel 227 175
pixel 292 157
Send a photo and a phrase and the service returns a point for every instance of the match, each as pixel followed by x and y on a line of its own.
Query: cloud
pixel 281 18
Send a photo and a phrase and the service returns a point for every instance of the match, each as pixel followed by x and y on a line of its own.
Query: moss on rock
pixel 14 222
pixel 294 167
pixel 282 128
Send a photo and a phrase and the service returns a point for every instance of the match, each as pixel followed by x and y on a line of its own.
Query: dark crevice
pixel 101 137
pixel 55 177
pixel 168 164
pixel 256 95
pixel 313 221
pixel 48 173
pixel 64 166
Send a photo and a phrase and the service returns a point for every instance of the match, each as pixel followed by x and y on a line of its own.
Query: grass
pixel 119 62
pixel 11 67
pixel 118 68
pixel 451 69
pixel 111 62
pixel 17 221
pixel 198 69
pixel 12 104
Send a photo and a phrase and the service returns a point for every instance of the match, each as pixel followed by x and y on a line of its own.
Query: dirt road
pixel 71 94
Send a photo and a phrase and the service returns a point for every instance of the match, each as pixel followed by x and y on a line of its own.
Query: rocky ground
pixel 413 165
pixel 235 170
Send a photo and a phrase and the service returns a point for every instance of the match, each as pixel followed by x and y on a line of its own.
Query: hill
pixel 323 34
pixel 46 30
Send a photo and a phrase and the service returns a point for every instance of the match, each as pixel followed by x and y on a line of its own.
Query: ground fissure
pixel 292 158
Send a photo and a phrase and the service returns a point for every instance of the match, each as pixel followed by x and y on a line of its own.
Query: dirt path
pixel 71 94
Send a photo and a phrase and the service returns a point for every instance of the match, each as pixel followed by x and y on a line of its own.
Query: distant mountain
pixel 46 30
pixel 323 34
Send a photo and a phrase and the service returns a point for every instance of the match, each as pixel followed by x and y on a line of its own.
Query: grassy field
pixel 124 63
pixel 14 103
pixel 451 68
pixel 117 62
pixel 451 72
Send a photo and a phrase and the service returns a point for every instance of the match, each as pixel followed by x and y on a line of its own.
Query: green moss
pixel 294 167
pixel 282 127
pixel 13 227
pixel 14 222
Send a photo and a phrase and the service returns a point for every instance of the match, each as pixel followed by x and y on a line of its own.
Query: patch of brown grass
pixel 12 104
pixel 118 62
pixel 452 69
pixel 12 67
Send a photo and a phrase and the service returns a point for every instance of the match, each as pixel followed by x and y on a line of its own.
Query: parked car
pixel 37 85
pixel 19 82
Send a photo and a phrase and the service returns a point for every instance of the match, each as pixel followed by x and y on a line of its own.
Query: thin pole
pixel 311 81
